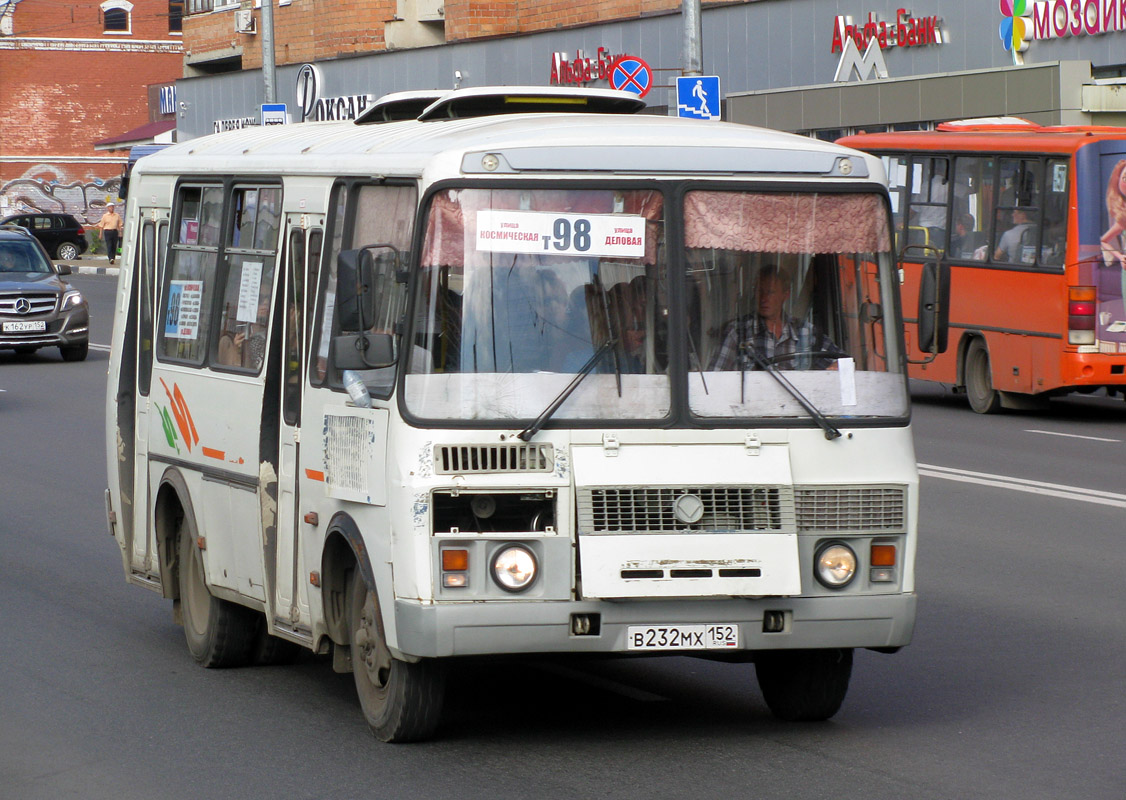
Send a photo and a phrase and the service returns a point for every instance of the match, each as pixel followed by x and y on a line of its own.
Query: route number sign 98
pixel 598 235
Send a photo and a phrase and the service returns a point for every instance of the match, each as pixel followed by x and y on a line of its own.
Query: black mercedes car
pixel 61 235
pixel 37 307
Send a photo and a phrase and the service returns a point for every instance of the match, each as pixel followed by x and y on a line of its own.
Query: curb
pixel 96 270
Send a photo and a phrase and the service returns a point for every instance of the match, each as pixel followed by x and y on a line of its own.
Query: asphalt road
pixel 1013 687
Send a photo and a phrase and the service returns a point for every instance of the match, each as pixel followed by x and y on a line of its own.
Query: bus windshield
pixel 792 282
pixel 519 288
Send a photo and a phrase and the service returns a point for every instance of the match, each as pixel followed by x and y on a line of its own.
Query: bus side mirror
pixel 361 351
pixel 934 307
pixel 365 279
pixel 355 290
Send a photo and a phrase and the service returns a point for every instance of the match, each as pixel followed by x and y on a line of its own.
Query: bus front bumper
pixel 495 628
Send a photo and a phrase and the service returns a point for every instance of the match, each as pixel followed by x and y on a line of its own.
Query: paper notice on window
pixel 550 233
pixel 248 291
pixel 185 299
pixel 846 371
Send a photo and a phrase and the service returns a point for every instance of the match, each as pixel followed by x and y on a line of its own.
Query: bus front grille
pixel 636 509
pixel 851 508
pixel 461 459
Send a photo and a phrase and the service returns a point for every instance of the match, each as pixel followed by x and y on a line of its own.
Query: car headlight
pixel 835 565
pixel 514 568
pixel 72 299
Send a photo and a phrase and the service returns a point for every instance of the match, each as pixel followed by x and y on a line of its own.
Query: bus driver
pixel 776 338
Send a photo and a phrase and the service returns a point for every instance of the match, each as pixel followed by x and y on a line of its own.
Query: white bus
pixel 530 374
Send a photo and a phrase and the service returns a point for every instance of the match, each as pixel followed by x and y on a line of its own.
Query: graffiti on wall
pixel 52 188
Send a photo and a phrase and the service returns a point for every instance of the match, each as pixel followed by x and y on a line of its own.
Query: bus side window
pixel 244 319
pixel 367 215
pixel 1054 244
pixel 973 198
pixel 1017 220
pixel 930 190
pixel 896 169
pixel 185 311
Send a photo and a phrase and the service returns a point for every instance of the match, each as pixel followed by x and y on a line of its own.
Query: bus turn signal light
pixel 883 555
pixel 455 560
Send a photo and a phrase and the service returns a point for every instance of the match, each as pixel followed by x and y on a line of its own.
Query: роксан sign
pixel 317 108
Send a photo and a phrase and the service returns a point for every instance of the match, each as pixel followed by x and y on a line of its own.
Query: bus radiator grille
pixel 851 508
pixel 462 459
pixel 643 509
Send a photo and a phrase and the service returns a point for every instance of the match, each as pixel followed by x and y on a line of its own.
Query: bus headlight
pixel 835 565
pixel 514 568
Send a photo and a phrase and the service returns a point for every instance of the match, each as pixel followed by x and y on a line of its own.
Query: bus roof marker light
pixel 844 166
pixel 489 162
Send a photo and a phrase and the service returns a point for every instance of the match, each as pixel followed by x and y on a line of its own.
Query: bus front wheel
pixel 401 701
pixel 804 685
pixel 984 399
pixel 219 633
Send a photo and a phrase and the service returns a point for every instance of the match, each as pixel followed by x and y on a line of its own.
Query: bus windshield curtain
pixel 786 223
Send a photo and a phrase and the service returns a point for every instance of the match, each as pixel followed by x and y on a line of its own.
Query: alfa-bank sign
pixel 905 31
pixel 582 69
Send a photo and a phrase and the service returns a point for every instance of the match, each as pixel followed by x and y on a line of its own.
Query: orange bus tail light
pixel 1081 308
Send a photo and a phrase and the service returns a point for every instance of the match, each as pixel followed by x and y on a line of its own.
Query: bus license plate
pixel 709 636
pixel 12 327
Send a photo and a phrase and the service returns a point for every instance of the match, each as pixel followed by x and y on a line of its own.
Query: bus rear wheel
pixel 219 633
pixel 984 399
pixel 804 685
pixel 401 701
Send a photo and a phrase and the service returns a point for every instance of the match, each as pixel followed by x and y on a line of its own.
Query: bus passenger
pixel 245 344
pixel 1011 247
pixel 777 339
pixel 966 242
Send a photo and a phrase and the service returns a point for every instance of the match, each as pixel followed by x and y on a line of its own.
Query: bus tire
pixel 804 685
pixel 270 650
pixel 401 701
pixel 219 633
pixel 983 398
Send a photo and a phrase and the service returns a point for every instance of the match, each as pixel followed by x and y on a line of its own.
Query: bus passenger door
pixel 149 258
pixel 291 592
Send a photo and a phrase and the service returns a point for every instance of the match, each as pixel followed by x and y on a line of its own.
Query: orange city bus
pixel 1030 222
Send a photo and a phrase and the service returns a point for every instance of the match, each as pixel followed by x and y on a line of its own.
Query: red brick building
pixel 72 75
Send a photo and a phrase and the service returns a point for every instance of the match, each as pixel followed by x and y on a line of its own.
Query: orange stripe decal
pixel 314 475
pixel 211 452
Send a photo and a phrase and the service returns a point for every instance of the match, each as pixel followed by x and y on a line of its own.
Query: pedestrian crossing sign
pixel 697 97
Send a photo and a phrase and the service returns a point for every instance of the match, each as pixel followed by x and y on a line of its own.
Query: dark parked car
pixel 61 234
pixel 37 307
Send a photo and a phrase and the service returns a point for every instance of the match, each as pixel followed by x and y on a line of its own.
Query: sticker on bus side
pixel 185 299
pixel 599 235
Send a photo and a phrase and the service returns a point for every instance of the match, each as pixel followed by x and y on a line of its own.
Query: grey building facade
pixel 778 62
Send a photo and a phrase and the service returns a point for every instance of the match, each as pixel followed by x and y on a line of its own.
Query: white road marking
pixel 102 347
pixel 1071 435
pixel 1023 485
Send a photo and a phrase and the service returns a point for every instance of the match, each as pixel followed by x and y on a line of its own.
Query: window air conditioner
pixel 244 21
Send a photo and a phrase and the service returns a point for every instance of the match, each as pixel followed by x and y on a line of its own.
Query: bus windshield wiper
pixel 585 370
pixel 831 432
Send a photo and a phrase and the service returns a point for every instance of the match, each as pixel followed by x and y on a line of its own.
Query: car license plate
pixel 13 327
pixel 708 636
